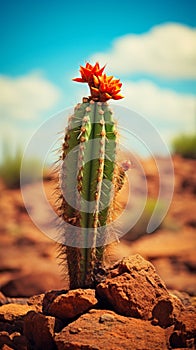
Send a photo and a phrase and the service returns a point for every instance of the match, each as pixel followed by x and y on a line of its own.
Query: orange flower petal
pixel 101 70
pixel 89 66
pixel 107 96
pixel 117 97
pixel 109 78
pixel 95 91
pixel 86 71
pixel 79 80
pixel 103 87
pixel 96 80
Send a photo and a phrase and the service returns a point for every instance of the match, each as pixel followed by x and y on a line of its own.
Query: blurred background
pixel 152 48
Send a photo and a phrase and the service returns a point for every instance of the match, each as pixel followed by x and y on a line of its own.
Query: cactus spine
pixel 88 177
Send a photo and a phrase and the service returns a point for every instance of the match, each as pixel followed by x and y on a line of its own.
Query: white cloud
pixel 26 97
pixel 167 50
pixel 169 111
pixel 163 104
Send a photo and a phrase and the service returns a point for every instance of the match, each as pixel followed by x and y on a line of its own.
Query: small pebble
pixel 75 330
pixel 106 318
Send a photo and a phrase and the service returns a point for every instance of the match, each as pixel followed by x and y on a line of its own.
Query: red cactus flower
pixel 105 88
pixel 88 72
pixel 102 87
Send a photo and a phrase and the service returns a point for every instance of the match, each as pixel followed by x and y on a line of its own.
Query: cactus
pixel 89 176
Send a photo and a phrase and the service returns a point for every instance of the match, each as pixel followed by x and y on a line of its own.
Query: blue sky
pixel 48 40
pixel 57 36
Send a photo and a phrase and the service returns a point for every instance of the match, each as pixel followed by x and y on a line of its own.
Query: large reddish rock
pixel 39 331
pixel 69 305
pixel 104 329
pixel 134 289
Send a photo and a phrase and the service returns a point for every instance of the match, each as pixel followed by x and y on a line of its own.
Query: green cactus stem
pixel 89 177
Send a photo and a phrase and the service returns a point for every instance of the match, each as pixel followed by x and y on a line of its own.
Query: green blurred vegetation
pixel 10 167
pixel 185 145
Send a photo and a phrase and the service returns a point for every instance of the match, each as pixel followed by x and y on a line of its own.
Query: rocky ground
pixel 132 309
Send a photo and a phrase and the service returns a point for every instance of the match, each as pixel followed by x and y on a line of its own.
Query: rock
pixel 162 313
pixel 3 299
pixel 19 341
pixel 151 317
pixel 5 339
pixel 106 318
pixel 184 334
pixel 12 341
pixel 16 326
pixel 11 326
pixel 120 333
pixel 134 289
pixel 12 312
pixel 6 347
pixel 166 311
pixel 36 301
pixel 49 297
pixel 39 331
pixel 69 305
